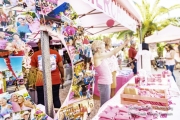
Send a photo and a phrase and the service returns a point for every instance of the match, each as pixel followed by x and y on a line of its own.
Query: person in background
pixel 170 60
pixel 86 40
pixel 120 57
pixel 23 27
pixel 3 18
pixel 179 49
pixel 34 25
pixel 54 26
pixel 147 59
pixel 113 64
pixel 26 115
pixel 3 42
pixel 56 70
pixel 131 54
pixel 102 68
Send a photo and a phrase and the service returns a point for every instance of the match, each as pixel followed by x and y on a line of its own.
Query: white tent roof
pixel 168 34
pixel 94 19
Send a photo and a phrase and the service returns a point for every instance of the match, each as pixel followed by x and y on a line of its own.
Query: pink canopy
pixel 93 15
pixel 168 34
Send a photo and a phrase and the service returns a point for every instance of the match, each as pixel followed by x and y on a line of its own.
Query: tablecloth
pixel 175 107
pixel 120 80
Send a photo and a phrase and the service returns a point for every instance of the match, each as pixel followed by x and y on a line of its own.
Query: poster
pixel 11 73
pixel 60 24
pixel 20 25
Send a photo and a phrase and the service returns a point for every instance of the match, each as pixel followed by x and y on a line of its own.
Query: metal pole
pixel 140 36
pixel 48 98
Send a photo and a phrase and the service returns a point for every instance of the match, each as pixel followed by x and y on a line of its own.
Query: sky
pixel 16 63
pixel 165 3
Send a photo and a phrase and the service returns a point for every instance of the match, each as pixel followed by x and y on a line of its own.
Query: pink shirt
pixel 35 26
pixel 104 73
pixel 15 107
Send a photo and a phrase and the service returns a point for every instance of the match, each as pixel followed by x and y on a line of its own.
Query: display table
pixel 120 80
pixel 115 101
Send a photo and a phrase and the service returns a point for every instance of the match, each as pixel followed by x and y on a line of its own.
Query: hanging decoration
pixel 110 23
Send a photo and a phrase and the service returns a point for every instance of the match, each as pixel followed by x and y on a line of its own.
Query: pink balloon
pixel 110 23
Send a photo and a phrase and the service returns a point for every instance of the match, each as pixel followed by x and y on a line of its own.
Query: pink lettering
pixel 98 5
pixel 106 3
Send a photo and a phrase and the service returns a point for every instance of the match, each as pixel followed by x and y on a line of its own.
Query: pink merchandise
pixel 109 115
pixel 124 109
pixel 101 118
pixel 122 116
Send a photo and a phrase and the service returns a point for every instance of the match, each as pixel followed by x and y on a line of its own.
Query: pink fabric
pixel 35 26
pixel 85 41
pixel 122 116
pixel 23 108
pixel 109 115
pixel 15 107
pixel 120 80
pixel 104 73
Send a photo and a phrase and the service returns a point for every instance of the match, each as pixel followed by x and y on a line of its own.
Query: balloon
pixel 110 23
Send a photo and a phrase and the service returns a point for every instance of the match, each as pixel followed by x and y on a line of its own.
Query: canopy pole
pixel 47 74
pixel 140 36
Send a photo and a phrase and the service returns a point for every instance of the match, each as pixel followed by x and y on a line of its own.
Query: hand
pixel 132 66
pixel 62 80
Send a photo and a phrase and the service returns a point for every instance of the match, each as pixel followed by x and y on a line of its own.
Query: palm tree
pixel 150 14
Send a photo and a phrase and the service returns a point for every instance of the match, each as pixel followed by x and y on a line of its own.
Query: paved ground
pixel 64 92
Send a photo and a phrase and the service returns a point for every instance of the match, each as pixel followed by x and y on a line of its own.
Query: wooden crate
pixel 134 99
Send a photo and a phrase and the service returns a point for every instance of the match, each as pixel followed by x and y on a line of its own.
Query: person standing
pixel 113 64
pixel 56 70
pixel 147 59
pixel 131 54
pixel 170 60
pixel 54 26
pixel 179 48
pixel 102 68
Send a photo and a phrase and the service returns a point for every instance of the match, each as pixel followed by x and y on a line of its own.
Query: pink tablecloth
pixel 120 80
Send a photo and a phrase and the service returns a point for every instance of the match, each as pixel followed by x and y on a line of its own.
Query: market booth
pixel 168 34
pixel 146 96
pixel 129 102
pixel 101 17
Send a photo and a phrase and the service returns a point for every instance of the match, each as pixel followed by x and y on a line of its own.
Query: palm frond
pixel 159 11
pixel 163 10
pixel 174 7
pixel 163 23
pixel 155 6
pixel 141 10
pixel 124 33
pixel 146 7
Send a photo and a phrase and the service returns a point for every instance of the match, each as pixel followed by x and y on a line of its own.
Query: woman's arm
pixel 113 52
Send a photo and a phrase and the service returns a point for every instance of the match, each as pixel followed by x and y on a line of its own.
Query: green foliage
pixel 30 13
pixel 150 14
pixel 160 49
